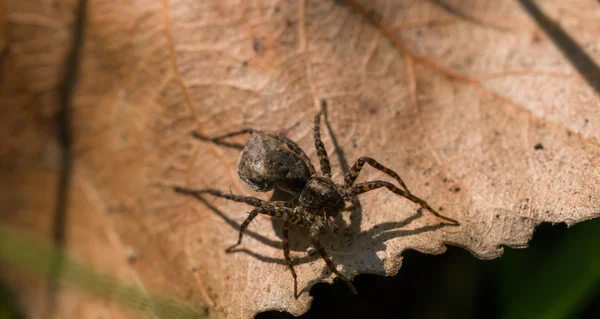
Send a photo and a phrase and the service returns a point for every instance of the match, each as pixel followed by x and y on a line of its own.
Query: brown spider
pixel 272 160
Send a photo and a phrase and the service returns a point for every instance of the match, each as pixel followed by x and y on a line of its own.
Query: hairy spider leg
pixel 315 230
pixel 267 210
pixel 350 178
pixel 278 210
pixel 321 151
pixel 253 201
pixel 245 224
pixel 286 251
pixel 274 209
pixel 373 185
pixel 289 143
pixel 354 204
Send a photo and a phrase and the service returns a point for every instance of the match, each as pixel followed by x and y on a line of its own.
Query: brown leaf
pixel 482 107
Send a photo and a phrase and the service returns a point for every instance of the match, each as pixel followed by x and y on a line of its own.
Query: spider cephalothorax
pixel 272 160
pixel 321 192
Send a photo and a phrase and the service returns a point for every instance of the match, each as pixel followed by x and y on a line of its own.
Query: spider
pixel 272 160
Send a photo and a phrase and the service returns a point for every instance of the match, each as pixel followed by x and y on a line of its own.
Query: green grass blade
pixel 36 257
pixel 563 282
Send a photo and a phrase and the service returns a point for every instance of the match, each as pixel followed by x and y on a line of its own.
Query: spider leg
pixel 267 210
pixel 286 251
pixel 369 186
pixel 315 230
pixel 253 201
pixel 355 170
pixel 354 204
pixel 247 222
pixel 321 151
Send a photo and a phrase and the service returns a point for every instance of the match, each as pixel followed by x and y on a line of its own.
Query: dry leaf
pixel 482 112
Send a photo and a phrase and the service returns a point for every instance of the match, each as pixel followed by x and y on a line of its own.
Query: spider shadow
pixel 295 245
pixel 373 240
pixel 235 225
pixel 356 216
pixel 337 243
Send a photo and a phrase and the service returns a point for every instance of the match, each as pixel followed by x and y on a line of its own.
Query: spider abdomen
pixel 266 162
